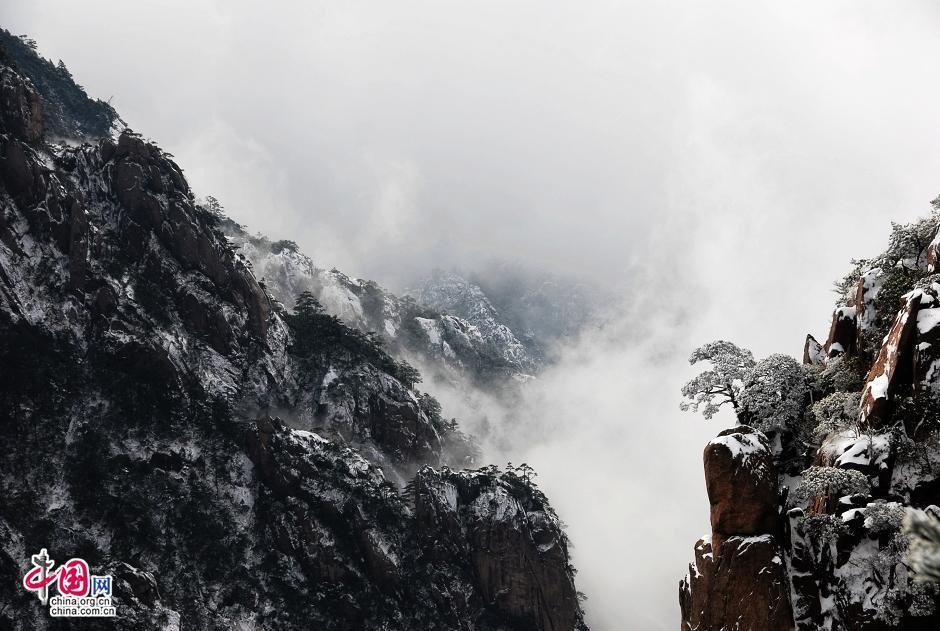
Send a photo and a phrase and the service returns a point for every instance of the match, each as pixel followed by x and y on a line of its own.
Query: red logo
pixel 72 578
pixel 81 595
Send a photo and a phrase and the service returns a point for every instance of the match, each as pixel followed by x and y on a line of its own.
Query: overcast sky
pixel 720 161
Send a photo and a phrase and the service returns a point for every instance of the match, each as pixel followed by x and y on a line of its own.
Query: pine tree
pixel 722 383
pixel 924 551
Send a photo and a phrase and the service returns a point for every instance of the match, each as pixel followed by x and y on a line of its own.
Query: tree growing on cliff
pixel 908 243
pixel 924 550
pixel 322 336
pixel 723 383
pixel 817 481
pixel 835 413
pixel 211 211
pixel 883 517
pixel 774 394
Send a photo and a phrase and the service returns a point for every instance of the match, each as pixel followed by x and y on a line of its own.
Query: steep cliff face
pixel 508 535
pixel 66 110
pixel 745 542
pixel 141 359
pixel 807 516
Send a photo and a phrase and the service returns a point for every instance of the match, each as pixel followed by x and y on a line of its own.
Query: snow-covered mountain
pixel 233 464
pixel 544 309
pixel 453 294
pixel 477 347
pixel 465 337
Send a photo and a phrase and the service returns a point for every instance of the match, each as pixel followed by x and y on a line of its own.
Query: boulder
pixel 742 484
pixel 738 580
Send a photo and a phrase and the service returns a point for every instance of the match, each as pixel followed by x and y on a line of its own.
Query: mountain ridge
pixel 149 360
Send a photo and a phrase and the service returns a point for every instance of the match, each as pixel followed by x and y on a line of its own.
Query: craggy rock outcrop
pixel 843 333
pixel 509 536
pixel 866 310
pixel 813 352
pixel 740 585
pixel 892 372
pixel 851 322
pixel 927 349
pixel 151 189
pixel 738 579
pixel 142 349
pixel 742 484
pixel 67 112
pixel 483 546
pixel 907 359
pixel 479 348
pixel 20 114
pixel 847 476
pixel 368 406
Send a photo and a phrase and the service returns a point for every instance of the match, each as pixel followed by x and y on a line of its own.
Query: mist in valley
pixel 709 168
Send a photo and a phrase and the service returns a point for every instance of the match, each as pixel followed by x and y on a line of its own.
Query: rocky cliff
pixel 234 464
pixel 67 111
pixel 807 507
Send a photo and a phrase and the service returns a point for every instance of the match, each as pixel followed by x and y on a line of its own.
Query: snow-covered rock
pixel 513 541
pixel 456 345
pixel 453 294
pixel 740 584
pixel 839 561
pixel 140 355
pixel 742 483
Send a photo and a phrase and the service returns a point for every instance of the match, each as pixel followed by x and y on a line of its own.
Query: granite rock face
pixel 19 107
pixel 807 521
pixel 147 357
pixel 741 584
pixel 509 536
pixel 738 579
pixel 742 484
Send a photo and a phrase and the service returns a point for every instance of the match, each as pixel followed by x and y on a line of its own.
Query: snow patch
pixel 742 446
pixel 329 378
pixel 927 320
pixel 431 329
pixel 878 387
